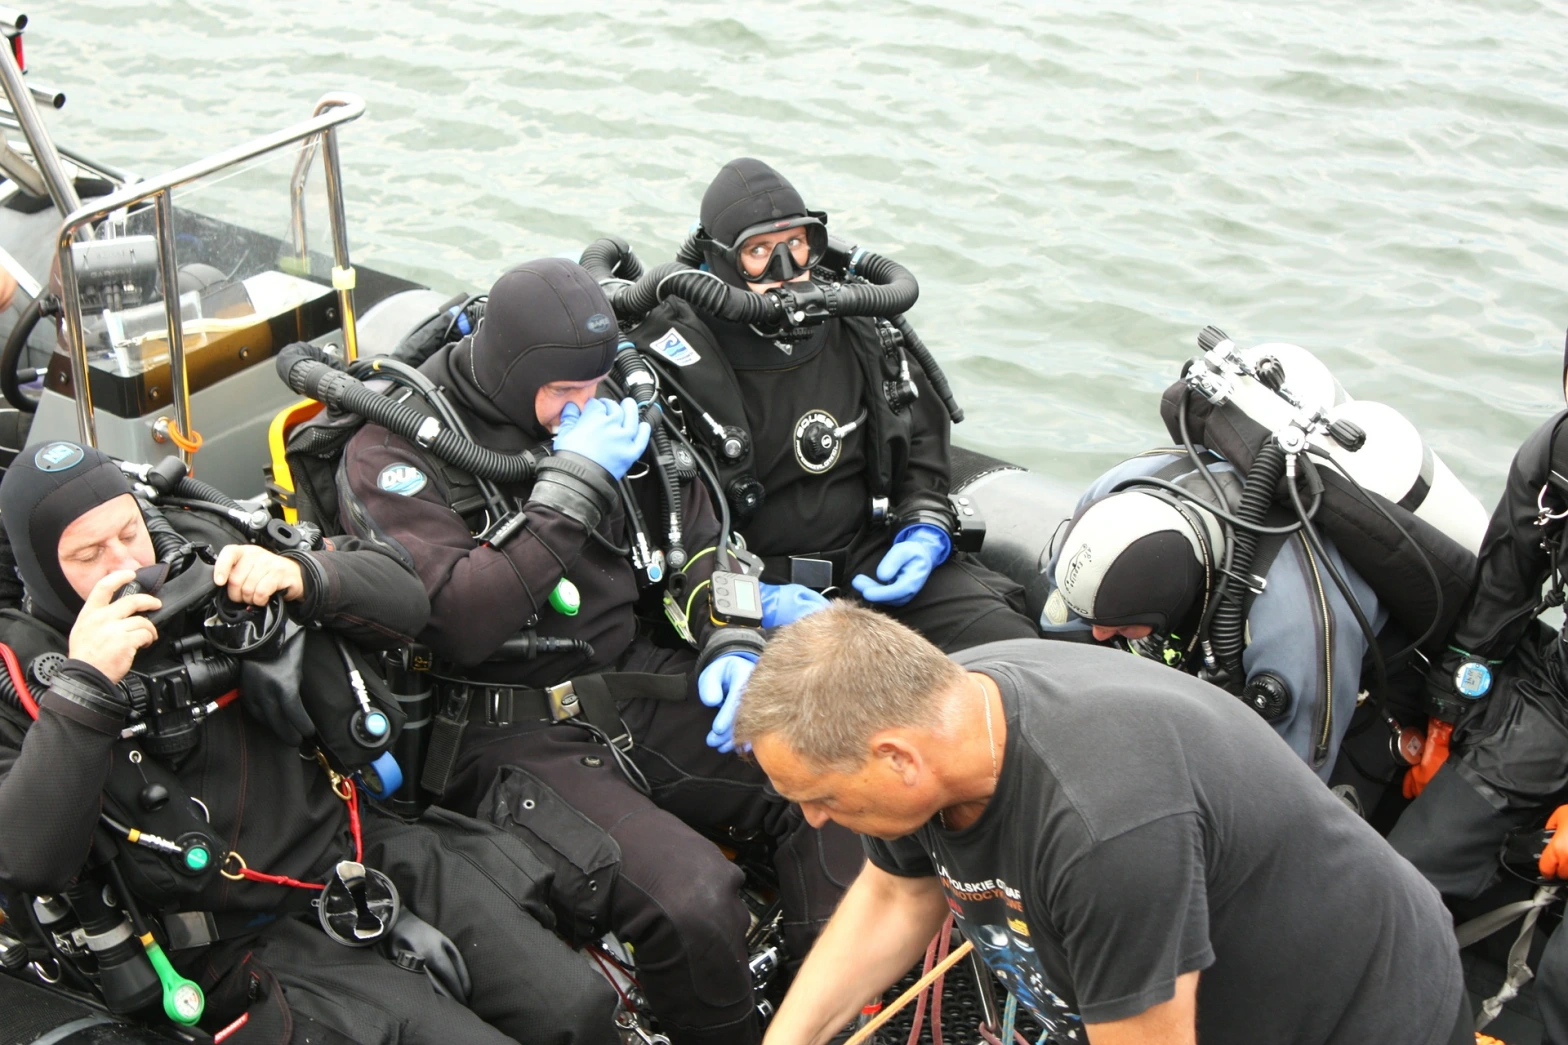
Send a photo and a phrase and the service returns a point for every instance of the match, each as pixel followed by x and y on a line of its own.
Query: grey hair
pixel 828 682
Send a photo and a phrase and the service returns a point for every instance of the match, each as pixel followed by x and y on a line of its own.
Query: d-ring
pixel 236 876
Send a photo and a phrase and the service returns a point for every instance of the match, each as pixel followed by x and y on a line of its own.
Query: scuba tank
pixel 1398 515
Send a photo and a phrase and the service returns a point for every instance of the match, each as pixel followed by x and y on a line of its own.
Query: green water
pixel 1079 186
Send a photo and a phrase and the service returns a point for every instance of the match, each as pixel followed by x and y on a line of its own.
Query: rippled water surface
pixel 1079 186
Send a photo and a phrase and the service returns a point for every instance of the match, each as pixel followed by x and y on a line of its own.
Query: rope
pixel 863 1035
pixel 190 444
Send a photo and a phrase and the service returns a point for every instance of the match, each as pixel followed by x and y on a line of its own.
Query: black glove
pixel 269 687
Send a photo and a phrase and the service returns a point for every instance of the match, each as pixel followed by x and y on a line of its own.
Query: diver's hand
pixel 720 686
pixel 787 603
pixel 253 575
pixel 610 434
pixel 109 631
pixel 916 551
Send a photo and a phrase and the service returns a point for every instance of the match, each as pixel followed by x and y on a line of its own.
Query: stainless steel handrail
pixel 59 185
pixel 333 110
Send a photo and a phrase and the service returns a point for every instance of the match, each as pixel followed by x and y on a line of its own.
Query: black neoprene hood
pixel 48 487
pixel 745 192
pixel 546 321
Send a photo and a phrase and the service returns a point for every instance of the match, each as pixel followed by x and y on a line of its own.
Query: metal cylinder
pixel 168 272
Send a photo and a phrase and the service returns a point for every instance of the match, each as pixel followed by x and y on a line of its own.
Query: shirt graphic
pixel 991 914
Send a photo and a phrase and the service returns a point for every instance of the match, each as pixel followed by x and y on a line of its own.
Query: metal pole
pixel 307 155
pixel 343 269
pixel 61 190
pixel 179 385
pixel 85 424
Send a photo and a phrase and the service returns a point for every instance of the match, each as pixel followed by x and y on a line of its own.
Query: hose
pixel 884 288
pixel 927 361
pixel 167 544
pixel 611 258
pixel 11 355
pixel 196 490
pixel 1227 631
pixel 324 383
pixel 633 374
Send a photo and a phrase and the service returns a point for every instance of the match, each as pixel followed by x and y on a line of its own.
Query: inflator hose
pixel 196 490
pixel 11 355
pixel 324 383
pixel 927 361
pixel 1227 632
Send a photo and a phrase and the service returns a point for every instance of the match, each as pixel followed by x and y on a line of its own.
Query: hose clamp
pixel 427 432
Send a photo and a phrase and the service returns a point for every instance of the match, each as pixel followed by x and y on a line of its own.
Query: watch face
pixel 1473 679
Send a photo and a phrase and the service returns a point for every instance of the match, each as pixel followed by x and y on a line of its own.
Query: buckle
pixel 563 701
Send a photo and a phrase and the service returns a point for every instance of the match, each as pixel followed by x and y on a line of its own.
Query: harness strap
pixel 1519 972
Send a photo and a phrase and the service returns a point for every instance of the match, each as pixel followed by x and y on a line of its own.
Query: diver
pixel 1142 564
pixel 841 466
pixel 1495 767
pixel 571 657
pixel 131 782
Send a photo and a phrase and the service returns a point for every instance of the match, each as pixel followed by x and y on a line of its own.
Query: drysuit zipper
pixel 1326 689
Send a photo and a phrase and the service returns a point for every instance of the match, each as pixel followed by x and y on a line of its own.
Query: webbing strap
pixel 1519 972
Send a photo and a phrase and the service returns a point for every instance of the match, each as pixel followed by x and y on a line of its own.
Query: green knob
pixel 196 857
pixel 566 599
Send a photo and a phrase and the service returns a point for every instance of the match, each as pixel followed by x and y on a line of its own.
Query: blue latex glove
pixel 916 551
pixel 606 432
pixel 787 603
pixel 720 686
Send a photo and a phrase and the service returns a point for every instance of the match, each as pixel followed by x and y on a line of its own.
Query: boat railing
pixel 318 132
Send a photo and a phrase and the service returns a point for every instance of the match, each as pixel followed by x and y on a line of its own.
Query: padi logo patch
pixel 598 323
pixel 402 479
pixel 57 457
pixel 1056 611
pixel 675 348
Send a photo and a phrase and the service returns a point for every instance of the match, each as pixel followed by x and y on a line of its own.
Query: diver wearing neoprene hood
pixel 845 464
pixel 630 779
pixel 135 791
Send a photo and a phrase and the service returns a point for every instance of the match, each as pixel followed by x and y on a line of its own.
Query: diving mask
pixel 778 251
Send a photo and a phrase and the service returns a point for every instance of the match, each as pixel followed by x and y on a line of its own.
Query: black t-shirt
pixel 808 508
pixel 1146 825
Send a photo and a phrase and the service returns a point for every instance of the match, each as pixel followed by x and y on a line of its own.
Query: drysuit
pixel 849 503
pixel 674 897
pixel 1507 766
pixel 254 946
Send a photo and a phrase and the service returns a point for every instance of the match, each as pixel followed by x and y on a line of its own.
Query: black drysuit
pixel 1508 762
pixel 280 813
pixel 677 898
pixel 816 511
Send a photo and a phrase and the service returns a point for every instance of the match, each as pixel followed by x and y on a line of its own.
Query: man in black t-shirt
pixel 1135 854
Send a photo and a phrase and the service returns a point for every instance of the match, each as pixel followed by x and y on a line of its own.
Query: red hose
pixel 920 1002
pixel 19 681
pixel 944 944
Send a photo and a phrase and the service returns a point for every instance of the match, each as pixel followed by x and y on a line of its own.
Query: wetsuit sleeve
pixel 361 591
pixel 49 799
pixel 1513 565
pixel 905 857
pixel 1133 915
pixel 480 596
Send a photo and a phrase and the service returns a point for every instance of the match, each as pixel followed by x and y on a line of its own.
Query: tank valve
pixel 1348 434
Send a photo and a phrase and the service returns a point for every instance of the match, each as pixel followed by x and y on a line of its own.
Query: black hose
pixel 196 490
pixel 611 258
pixel 884 288
pixel 633 374
pixel 1227 631
pixel 11 355
pixel 690 252
pixel 927 361
pixel 167 544
pixel 322 382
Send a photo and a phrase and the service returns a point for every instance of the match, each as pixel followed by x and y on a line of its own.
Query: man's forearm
pixel 879 930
